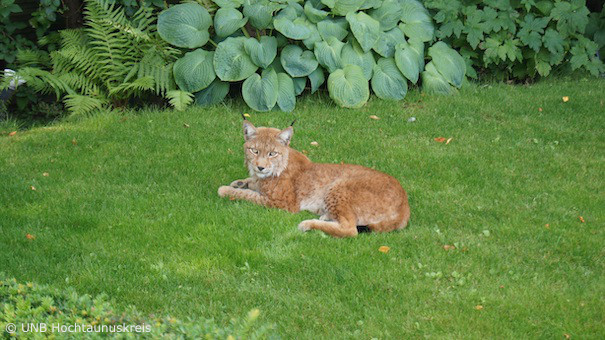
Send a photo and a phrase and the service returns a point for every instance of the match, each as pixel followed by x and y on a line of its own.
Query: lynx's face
pixel 266 150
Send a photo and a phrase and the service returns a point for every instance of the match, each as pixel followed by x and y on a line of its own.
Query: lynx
pixel 343 195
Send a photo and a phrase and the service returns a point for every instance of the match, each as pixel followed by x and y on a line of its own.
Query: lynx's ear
pixel 249 130
pixel 285 135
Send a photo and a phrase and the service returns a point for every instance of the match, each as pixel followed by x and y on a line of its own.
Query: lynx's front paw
pixel 225 191
pixel 239 184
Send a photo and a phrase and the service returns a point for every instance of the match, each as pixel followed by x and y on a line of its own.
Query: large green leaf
pixel 185 25
pixel 331 27
pixel 328 52
pixel 313 38
pixel 388 83
pixel 260 14
pixel 433 81
pixel 417 23
pixel 409 58
pixel 343 7
pixel 194 71
pixel 262 52
pixel 297 29
pixel 385 46
pixel 388 14
pixel 213 94
pixel 260 92
pixel 369 4
pixel 299 85
pixel 228 3
pixel 286 97
pixel 365 29
pixel 296 62
pixel 313 14
pixel 227 21
pixel 348 87
pixel 448 63
pixel 231 62
pixel 317 78
pixel 353 54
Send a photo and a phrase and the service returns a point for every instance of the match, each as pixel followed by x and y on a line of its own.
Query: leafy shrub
pixel 37 304
pixel 520 39
pixel 110 61
pixel 276 47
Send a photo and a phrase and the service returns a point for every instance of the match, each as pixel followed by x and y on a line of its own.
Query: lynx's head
pixel 266 150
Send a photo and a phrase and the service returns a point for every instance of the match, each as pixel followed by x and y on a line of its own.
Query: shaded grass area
pixel 129 208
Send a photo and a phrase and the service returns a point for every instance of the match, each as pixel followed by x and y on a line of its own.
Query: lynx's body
pixel 343 195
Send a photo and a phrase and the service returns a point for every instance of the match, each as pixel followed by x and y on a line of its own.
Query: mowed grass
pixel 129 208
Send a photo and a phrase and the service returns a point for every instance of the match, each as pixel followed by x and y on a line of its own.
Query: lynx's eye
pixel 253 150
pixel 272 154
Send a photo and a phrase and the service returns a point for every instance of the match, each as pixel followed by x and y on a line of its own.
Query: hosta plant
pixel 277 49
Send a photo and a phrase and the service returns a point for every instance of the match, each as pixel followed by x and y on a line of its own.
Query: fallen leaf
pixel 581 219
pixel 501 286
pixel 314 143
pixel 74 142
pixel 565 99
pixel 540 109
pixel 440 139
pixel 185 125
pixel 567 336
pixel 32 187
pixel 30 237
pixel 411 119
pixel 384 249
pixel 246 115
pixel 478 307
pixel 374 117
pixel 45 174
pixel 547 226
pixel 12 133
pixel 449 247
pixel 449 140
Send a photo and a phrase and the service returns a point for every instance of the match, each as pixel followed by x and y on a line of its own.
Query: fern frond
pixel 44 81
pixel 135 87
pixel 179 99
pixel 82 83
pixel 79 104
pixel 33 58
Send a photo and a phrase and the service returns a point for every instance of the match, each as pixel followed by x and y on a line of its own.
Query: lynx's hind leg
pixel 345 224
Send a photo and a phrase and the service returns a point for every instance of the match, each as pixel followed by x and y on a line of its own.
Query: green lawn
pixel 129 208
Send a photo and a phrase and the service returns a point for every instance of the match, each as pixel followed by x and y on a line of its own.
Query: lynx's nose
pixel 260 168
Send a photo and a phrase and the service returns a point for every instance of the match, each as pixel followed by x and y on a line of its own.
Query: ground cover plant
pixel 33 304
pixel 506 236
pixel 523 39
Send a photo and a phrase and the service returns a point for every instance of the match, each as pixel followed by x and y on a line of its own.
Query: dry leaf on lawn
pixel 74 142
pixel 581 219
pixel 12 133
pixel 440 139
pixel 449 247
pixel 32 187
pixel 384 249
pixel 478 307
pixel 314 143
pixel 565 99
pixel 30 237
pixel 45 174
pixel 449 140
pixel 374 117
